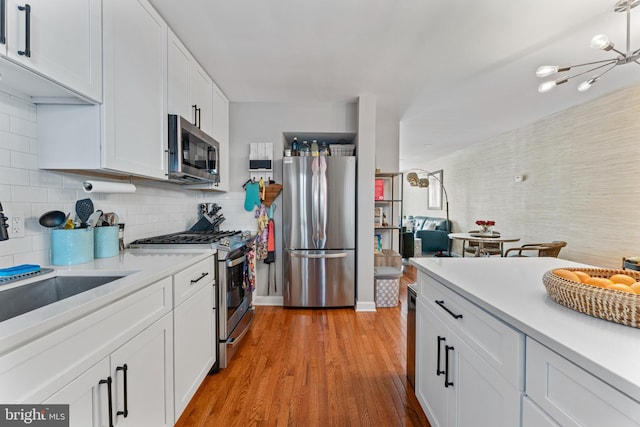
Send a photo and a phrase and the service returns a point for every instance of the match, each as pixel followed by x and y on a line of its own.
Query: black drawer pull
pixel 447 383
pixel 441 304
pixel 27 30
pixel 124 369
pixel 438 370
pixel 3 38
pixel 199 278
pixel 108 383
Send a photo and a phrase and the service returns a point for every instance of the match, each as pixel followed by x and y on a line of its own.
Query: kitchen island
pixel 558 365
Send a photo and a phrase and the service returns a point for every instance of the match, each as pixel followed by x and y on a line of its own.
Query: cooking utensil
pixel 94 219
pixel 52 219
pixel 84 209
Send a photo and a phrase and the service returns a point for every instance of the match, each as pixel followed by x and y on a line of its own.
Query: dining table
pixel 482 239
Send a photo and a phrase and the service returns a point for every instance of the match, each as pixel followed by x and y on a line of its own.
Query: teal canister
pixel 69 247
pixel 106 242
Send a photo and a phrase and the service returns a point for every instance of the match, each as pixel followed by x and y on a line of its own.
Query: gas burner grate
pixel 188 238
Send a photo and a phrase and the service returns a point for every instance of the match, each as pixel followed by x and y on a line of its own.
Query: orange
pixel 566 274
pixel 635 287
pixel 582 275
pixel 623 278
pixel 599 282
pixel 621 287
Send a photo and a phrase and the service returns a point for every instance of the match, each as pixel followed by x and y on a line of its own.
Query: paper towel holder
pixel 96 186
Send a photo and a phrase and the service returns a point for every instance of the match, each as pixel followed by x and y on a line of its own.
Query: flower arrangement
pixel 486 225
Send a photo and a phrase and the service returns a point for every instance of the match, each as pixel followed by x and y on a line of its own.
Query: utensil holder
pixel 105 241
pixel 69 247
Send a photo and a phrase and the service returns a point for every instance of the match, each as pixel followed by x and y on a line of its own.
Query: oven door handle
pixel 331 255
pixel 234 262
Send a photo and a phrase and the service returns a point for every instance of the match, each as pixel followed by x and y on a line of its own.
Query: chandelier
pixel 599 41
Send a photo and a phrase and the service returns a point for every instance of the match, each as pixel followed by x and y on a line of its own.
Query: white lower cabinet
pixel 195 351
pixel 571 396
pixel 455 384
pixel 143 378
pixel 87 397
pixel 469 369
pixel 134 383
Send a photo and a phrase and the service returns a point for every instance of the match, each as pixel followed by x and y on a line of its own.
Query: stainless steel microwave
pixel 194 156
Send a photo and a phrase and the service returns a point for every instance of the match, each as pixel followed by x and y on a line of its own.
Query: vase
pixel 486 229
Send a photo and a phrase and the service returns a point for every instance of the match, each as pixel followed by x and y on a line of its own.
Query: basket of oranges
pixel 609 294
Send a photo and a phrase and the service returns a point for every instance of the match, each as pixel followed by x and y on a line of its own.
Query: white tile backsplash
pixel 155 208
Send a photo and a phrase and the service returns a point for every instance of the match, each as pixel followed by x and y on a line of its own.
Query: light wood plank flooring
pixel 314 367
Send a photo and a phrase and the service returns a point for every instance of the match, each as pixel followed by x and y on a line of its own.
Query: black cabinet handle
pixel 3 35
pixel 447 383
pixel 438 370
pixel 441 304
pixel 199 278
pixel 123 368
pixel 198 111
pixel 196 116
pixel 108 382
pixel 27 29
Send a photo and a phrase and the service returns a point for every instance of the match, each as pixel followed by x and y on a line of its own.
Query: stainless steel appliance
pixel 412 294
pixel 235 310
pixel 194 156
pixel 319 238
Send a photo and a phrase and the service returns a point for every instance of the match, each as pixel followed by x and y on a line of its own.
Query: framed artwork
pixel 434 198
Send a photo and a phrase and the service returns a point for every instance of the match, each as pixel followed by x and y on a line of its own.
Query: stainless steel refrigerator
pixel 319 237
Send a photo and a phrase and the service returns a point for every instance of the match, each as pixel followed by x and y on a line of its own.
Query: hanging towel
pixel 271 255
pixel 252 197
pixel 271 242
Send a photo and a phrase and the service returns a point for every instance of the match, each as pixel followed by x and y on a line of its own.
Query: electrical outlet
pixel 16 226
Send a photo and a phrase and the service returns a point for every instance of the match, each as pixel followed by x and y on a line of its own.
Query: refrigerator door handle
pixel 314 201
pixel 322 202
pixel 318 256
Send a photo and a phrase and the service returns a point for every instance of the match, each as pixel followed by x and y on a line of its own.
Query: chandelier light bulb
pixel 601 41
pixel 586 85
pixel 546 86
pixel 547 70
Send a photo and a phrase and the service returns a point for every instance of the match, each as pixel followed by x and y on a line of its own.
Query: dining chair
pixel 551 249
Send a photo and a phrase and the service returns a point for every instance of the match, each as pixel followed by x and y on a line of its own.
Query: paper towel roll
pixel 107 187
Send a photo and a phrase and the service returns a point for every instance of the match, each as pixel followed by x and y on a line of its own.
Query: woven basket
pixel 615 306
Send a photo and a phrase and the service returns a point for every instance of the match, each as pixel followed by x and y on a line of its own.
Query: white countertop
pixel 140 267
pixel 512 290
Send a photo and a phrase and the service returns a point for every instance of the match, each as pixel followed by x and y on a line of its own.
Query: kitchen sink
pixel 25 298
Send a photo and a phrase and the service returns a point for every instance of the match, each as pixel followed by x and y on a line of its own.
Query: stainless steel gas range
pixel 235 311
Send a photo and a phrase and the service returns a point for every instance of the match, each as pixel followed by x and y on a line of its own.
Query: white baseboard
pixel 268 300
pixel 366 306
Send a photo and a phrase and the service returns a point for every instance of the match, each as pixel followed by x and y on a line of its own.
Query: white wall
pixel 582 181
pixel 29 192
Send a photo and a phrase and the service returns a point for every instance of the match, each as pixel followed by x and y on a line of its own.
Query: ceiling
pixel 454 72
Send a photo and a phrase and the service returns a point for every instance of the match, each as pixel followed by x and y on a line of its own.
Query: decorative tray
pixel 489 235
pixel 608 304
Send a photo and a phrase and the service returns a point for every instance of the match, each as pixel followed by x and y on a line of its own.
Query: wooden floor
pixel 314 367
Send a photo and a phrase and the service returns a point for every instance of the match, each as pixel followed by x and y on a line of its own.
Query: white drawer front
pixel 501 346
pixel 572 396
pixel 33 372
pixel 192 279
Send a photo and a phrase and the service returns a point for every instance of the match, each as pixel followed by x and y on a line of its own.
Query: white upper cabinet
pixel 135 52
pixel 190 89
pixel 58 40
pixel 127 134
